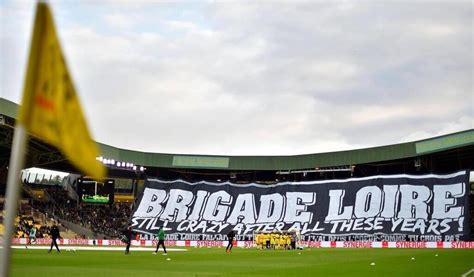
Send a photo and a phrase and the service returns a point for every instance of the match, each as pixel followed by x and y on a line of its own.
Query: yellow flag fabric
pixel 50 108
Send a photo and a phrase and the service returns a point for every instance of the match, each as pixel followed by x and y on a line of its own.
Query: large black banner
pixel 391 208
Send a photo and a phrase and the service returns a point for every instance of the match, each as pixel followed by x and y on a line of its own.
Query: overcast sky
pixel 275 78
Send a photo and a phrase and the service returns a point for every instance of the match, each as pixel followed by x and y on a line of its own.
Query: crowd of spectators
pixel 105 219
pixel 25 223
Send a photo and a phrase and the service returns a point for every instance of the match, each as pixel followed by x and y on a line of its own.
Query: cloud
pixel 14 33
pixel 122 21
pixel 266 78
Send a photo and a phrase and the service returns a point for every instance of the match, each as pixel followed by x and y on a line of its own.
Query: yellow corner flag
pixel 50 108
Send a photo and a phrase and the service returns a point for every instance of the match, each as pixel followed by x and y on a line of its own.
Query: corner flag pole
pixel 17 159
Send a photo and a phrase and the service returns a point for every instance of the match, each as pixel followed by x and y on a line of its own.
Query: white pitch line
pixel 97 248
pixel 467 273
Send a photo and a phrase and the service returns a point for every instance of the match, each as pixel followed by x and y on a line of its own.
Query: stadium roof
pixel 294 162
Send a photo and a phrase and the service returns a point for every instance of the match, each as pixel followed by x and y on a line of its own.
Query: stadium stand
pixel 105 221
pixel 102 220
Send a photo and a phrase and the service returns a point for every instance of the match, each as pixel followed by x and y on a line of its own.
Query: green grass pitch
pixel 245 262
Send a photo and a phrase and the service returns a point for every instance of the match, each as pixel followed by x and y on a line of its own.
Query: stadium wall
pixel 249 244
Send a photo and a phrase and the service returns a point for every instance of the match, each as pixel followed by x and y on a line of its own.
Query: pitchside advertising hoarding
pixel 377 208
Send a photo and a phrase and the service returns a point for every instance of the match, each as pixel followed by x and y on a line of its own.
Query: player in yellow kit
pixel 259 241
pixel 288 241
pixel 277 241
pixel 282 241
pixel 272 241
